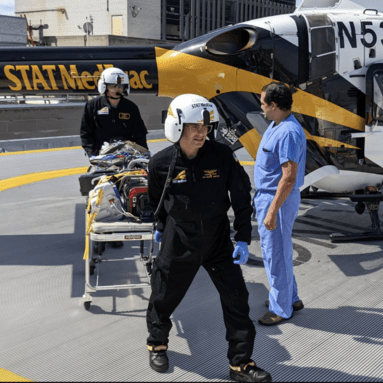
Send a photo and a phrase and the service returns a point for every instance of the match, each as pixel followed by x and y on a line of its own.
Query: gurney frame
pixel 116 231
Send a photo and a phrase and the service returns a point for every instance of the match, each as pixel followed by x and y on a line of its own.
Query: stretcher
pixel 115 231
pixel 117 210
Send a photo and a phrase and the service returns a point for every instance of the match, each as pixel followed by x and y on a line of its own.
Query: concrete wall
pixel 37 121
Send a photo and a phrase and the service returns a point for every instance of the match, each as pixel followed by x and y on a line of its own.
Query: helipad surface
pixel 47 335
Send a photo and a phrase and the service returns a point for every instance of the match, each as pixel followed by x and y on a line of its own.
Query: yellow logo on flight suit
pixel 104 110
pixel 180 178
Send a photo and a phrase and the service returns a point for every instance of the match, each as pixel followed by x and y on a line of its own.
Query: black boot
pixel 158 359
pixel 249 373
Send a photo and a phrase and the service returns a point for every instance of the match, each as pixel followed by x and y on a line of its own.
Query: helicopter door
pixel 374 112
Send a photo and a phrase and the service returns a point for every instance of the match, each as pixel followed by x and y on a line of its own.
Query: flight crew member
pixel 279 172
pixel 111 115
pixel 195 231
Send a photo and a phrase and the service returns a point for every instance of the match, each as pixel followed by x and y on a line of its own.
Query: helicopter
pixel 329 52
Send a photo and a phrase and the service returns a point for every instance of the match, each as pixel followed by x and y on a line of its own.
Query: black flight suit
pixel 196 231
pixel 101 122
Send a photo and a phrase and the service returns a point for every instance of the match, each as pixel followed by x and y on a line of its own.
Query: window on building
pixel 117 26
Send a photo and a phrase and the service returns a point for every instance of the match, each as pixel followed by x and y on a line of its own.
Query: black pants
pixel 170 282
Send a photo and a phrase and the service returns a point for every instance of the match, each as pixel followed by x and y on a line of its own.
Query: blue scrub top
pixel 279 144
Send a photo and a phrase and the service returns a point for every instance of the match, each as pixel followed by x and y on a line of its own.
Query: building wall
pixel 183 19
pixel 65 16
pixel 96 41
pixel 147 23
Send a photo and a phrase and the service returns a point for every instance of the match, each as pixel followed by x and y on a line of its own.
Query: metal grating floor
pixel 46 335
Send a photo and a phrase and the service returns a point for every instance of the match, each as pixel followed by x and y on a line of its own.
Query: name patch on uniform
pixel 104 110
pixel 180 178
pixel 214 173
pixel 124 116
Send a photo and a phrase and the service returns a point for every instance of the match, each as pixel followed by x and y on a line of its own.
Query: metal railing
pixel 42 100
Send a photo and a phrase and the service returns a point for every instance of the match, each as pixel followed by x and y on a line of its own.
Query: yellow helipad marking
pixel 25 179
pixel 58 149
pixel 8 376
pixel 29 178
pixel 40 151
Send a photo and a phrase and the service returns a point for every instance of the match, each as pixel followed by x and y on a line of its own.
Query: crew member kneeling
pixel 194 228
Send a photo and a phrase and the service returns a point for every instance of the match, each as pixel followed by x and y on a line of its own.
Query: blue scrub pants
pixel 277 251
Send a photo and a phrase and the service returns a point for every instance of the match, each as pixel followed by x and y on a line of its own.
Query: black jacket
pixel 198 199
pixel 100 123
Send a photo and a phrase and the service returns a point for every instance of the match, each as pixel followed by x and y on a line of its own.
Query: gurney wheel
pixel 87 305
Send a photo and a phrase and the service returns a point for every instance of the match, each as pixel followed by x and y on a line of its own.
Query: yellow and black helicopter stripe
pixel 174 77
pixel 197 66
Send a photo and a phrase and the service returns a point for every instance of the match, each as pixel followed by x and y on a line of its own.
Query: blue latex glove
pixel 241 250
pixel 158 236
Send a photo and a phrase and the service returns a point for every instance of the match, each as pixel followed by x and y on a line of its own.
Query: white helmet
pixel 112 76
pixel 189 109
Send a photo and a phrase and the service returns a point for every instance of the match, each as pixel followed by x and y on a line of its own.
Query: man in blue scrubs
pixel 279 172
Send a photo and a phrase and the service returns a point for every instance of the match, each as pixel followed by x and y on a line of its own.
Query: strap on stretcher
pixel 89 220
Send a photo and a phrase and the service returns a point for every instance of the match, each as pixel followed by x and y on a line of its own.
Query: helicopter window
pixel 319 20
pixel 323 53
pixel 322 41
pixel 378 96
pixel 322 66
pixel 323 4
